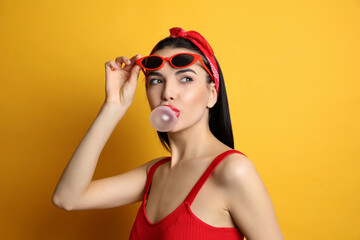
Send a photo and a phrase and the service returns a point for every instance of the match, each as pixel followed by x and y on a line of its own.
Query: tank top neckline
pixel 193 192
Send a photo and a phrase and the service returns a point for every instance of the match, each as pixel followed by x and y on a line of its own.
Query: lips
pixel 177 111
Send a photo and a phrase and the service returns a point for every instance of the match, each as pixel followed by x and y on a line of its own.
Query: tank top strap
pixel 194 191
pixel 151 174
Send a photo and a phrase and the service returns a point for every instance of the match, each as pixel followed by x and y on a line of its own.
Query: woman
pixel 205 189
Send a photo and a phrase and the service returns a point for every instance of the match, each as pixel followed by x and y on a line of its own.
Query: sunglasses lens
pixel 182 60
pixel 152 62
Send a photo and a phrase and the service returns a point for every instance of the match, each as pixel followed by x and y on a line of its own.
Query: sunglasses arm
pixel 207 70
pixel 143 71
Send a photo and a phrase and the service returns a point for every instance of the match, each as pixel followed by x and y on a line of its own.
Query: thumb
pixel 134 74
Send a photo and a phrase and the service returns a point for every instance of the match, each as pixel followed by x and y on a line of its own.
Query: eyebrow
pixel 185 70
pixel 154 73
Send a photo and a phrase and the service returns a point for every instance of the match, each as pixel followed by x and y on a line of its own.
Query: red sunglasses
pixel 180 60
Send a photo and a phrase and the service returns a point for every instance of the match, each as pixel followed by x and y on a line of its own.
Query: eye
pixel 187 79
pixel 153 81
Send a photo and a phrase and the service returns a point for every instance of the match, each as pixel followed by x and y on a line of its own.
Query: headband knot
pixel 177 32
pixel 192 36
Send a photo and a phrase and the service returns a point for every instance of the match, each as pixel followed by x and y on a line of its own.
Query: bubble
pixel 163 119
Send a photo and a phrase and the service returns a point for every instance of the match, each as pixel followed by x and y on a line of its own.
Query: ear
pixel 213 96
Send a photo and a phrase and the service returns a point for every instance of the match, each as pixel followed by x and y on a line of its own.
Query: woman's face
pixel 184 88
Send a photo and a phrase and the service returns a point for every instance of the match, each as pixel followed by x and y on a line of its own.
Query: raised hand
pixel 121 80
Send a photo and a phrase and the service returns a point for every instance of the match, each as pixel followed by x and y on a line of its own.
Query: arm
pixel 75 190
pixel 75 180
pixel 248 200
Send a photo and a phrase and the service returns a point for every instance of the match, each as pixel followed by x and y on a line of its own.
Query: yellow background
pixel 292 76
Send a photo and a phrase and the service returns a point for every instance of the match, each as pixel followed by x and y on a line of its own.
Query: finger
pixel 135 71
pixel 132 62
pixel 111 65
pixel 128 67
pixel 121 60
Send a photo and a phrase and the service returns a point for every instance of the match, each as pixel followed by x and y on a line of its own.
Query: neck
pixel 191 143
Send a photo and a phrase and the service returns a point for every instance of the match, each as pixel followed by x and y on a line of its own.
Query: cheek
pixel 194 98
pixel 152 99
pixel 196 102
pixel 197 94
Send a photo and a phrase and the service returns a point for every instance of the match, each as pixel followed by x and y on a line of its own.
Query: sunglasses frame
pixel 197 57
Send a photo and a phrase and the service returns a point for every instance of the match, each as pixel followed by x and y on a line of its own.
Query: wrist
pixel 115 109
pixel 113 104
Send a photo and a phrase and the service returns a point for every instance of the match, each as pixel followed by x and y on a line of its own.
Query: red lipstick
pixel 177 111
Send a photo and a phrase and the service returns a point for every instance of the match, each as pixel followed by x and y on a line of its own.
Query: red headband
pixel 204 47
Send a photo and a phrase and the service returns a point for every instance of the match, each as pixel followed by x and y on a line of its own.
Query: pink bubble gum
pixel 164 118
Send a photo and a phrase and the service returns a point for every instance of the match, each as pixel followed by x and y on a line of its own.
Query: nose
pixel 169 91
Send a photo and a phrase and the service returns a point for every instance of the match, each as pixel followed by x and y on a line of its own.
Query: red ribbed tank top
pixel 182 222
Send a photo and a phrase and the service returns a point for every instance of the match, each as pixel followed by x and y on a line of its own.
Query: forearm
pixel 78 174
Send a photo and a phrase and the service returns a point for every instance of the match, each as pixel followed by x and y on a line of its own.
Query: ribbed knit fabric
pixel 182 224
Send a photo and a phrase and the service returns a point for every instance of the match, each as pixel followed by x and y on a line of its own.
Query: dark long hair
pixel 219 114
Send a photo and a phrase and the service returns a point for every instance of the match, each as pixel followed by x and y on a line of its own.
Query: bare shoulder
pixel 234 167
pixel 151 163
pixel 247 198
